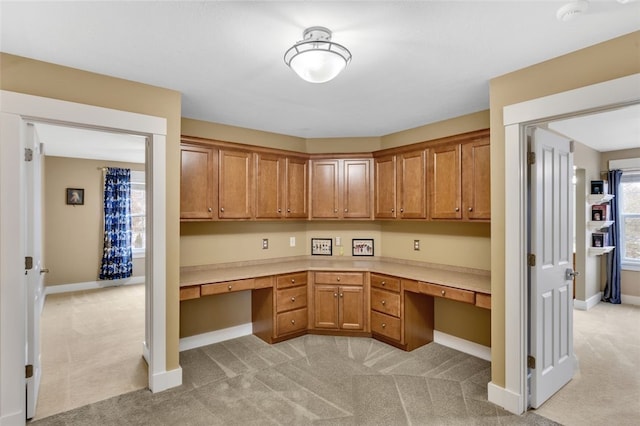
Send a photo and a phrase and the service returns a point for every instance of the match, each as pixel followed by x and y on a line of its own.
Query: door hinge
pixel 28 262
pixel 531 362
pixel 531 158
pixel 28 154
pixel 531 259
pixel 28 371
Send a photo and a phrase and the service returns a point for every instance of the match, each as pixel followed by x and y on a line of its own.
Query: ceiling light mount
pixel 570 11
pixel 316 58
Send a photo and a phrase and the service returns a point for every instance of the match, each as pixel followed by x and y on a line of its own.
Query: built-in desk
pixel 400 306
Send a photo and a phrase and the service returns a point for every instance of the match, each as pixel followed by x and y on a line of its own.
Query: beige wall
pixel 74 234
pixel 628 279
pixel 37 78
pixel 602 62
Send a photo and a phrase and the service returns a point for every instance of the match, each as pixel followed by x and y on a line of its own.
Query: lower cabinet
pixel 339 301
pixel 279 311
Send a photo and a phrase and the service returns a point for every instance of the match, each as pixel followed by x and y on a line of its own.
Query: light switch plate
pixel 265 243
pixel 416 245
pixel 292 241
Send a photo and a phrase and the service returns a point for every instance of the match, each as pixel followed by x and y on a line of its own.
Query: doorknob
pixel 570 274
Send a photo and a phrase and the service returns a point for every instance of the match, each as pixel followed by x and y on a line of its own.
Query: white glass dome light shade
pixel 316 59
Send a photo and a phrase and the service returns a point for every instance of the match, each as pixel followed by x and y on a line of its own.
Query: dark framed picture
pixel 598 187
pixel 75 196
pixel 362 247
pixel 596 215
pixel 321 246
pixel 599 239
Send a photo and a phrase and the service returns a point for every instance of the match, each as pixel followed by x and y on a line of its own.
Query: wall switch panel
pixel 265 243
pixel 292 241
pixel 338 241
pixel 416 245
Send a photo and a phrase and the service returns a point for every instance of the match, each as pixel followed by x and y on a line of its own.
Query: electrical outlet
pixel 416 245
pixel 292 241
pixel 265 243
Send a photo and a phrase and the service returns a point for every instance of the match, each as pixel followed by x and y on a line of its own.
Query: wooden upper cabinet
pixel 412 184
pixel 356 194
pixel 324 189
pixel 197 186
pixel 269 186
pixel 476 179
pixel 385 187
pixel 445 182
pixel 235 185
pixel 296 188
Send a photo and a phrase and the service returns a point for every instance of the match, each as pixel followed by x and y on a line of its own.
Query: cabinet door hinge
pixel 531 259
pixel 531 158
pixel 28 154
pixel 531 362
pixel 28 371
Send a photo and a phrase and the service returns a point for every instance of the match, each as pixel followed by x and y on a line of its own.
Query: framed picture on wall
pixel 75 196
pixel 362 247
pixel 321 246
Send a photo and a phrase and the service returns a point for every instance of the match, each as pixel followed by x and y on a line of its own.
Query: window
pixel 629 220
pixel 138 213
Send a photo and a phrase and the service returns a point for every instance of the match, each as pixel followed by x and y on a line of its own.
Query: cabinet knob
pixel 293 280
pixel 335 210
pixel 279 210
pixel 401 210
pixel 384 302
pixel 442 292
pixel 293 322
pixel 384 325
pixel 338 278
pixel 341 295
pixel 393 210
pixel 470 209
pixel 335 294
pixel 293 299
pixel 288 210
pixel 457 209
pixel 222 209
pixel 229 286
pixel 383 283
pixel 210 209
pixel 346 210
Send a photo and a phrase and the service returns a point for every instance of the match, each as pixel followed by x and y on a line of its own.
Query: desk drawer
pixel 386 325
pixel 291 298
pixel 291 280
pixel 187 293
pixel 448 292
pixel 291 321
pixel 349 278
pixel 385 301
pixel 385 282
pixel 483 300
pixel 227 287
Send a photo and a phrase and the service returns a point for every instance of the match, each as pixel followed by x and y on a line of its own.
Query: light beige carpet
pixel 91 346
pixel 606 385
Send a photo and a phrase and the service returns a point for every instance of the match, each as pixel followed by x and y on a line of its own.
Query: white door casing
pixel 551 279
pixel 34 276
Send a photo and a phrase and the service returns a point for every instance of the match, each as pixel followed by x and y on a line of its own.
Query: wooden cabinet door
pixel 385 187
pixel 412 185
pixel 351 308
pixel 235 186
pixel 197 182
pixel 445 182
pixel 296 188
pixel 476 179
pixel 324 189
pixel 269 186
pixel 356 194
pixel 325 306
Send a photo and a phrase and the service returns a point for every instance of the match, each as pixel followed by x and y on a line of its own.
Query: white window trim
pixel 138 177
pixel 625 263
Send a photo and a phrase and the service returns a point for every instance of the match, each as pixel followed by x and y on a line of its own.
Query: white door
pixel 550 286
pixel 34 275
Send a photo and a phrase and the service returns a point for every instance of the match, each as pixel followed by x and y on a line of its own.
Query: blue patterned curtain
pixel 117 255
pixel 612 288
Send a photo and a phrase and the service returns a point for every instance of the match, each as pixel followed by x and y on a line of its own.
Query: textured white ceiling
pixel 414 62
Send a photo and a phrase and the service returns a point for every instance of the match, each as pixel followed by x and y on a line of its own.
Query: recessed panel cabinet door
pixel 296 188
pixel 324 189
pixel 476 180
pixel 269 197
pixel 351 308
pixel 444 172
pixel 326 306
pixel 235 187
pixel 197 182
pixel 357 189
pixel 385 187
pixel 412 182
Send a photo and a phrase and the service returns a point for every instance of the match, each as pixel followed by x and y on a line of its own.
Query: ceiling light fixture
pixel 316 58
pixel 570 10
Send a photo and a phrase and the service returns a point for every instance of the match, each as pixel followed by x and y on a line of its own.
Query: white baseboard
pixel 505 398
pixel 630 300
pixel 145 352
pixel 217 336
pixel 92 285
pixel 585 305
pixel 462 345
pixel 165 380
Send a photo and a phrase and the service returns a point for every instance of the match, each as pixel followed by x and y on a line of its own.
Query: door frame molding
pixel 600 96
pixel 15 110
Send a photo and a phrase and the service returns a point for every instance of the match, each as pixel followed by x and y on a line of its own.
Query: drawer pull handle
pixel 229 286
pixel 338 278
pixel 384 302
pixel 383 283
pixel 384 325
pixel 293 321
pixel 293 299
pixel 442 292
pixel 293 280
